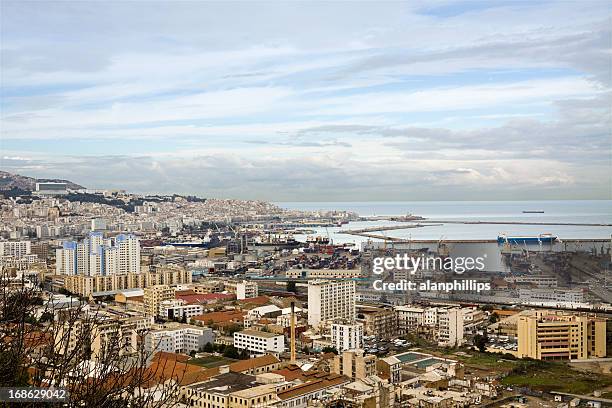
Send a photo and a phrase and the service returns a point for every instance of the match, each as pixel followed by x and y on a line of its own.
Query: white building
pixel 177 308
pixel 551 295
pixel 97 255
pixel 17 249
pixel 179 339
pixel 246 290
pixel 49 188
pixel 450 326
pixel 347 336
pixel 259 342
pixel 540 281
pixel 330 300
pixel 98 224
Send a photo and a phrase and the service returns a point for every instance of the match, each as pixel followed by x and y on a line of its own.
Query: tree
pixel 329 349
pixel 481 341
pixel 37 353
pixel 494 318
pixel 231 352
pixel 291 287
pixel 208 348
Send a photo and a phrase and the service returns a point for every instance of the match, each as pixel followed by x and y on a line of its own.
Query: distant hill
pixel 9 181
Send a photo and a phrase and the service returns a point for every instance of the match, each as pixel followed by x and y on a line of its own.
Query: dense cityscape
pixel 135 300
pixel 306 204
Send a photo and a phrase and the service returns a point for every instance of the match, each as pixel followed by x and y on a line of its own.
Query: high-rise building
pixel 556 335
pixel 330 300
pixel 97 255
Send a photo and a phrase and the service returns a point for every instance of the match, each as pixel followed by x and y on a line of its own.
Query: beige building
pixel 230 390
pixel 90 285
pixel 154 296
pixel 354 364
pixel 330 300
pixel 98 337
pixel 378 321
pixel 209 286
pixel 556 335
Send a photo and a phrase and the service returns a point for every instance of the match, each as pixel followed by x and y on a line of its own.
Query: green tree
pixel 231 352
pixel 291 287
pixel 481 341
pixel 329 349
pixel 208 348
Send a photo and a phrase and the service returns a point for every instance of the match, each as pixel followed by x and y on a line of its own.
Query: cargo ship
pixel 533 212
pixel 540 239
pixel 210 241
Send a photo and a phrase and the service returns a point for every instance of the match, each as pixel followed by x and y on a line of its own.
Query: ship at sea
pixel 527 240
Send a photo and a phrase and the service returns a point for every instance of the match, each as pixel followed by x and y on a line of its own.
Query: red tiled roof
pixel 259 300
pixel 221 317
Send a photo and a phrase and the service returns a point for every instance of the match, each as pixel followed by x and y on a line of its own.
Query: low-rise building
pixel 347 336
pixel 259 342
pixel 180 338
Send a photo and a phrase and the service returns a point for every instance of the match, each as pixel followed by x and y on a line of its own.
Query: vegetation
pixel 211 361
pixel 38 352
pixel 291 287
pixel 554 376
pixel 330 349
pixel 481 341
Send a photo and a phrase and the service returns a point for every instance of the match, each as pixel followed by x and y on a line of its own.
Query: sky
pixel 311 101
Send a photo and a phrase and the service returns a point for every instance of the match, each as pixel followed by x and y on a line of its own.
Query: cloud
pixel 311 100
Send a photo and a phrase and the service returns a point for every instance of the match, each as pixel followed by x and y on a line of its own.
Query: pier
pixel 365 232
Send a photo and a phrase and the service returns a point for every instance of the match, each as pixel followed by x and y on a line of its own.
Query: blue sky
pixel 311 100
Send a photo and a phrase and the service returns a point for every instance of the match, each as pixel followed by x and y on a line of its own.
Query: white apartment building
pixel 347 336
pixel 17 249
pixel 551 295
pixel 540 281
pixel 179 339
pixel 330 300
pixel 258 342
pixel 246 290
pixel 177 308
pixel 450 327
pixel 97 255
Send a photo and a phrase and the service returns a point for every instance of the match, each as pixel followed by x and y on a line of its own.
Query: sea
pixel 561 211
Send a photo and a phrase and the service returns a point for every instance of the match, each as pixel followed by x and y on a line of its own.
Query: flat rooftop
pixel 226 383
pixel 257 333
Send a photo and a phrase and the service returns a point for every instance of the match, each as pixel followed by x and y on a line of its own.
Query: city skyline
pixel 313 102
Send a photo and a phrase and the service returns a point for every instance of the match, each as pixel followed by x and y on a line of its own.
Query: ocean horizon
pixel 561 211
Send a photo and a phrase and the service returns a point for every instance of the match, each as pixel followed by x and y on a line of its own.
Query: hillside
pixel 10 181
